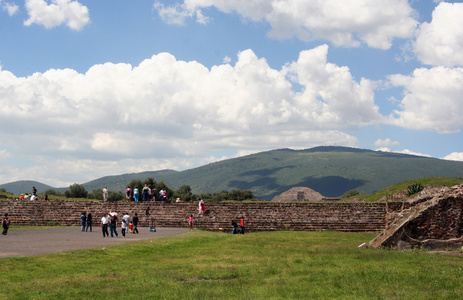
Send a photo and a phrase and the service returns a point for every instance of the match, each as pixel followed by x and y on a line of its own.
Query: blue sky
pixel 96 88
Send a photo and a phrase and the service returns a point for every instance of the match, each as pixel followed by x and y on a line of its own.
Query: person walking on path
pixel 113 225
pixel 89 222
pixel 83 221
pixel 5 224
pixel 105 194
pixel 124 227
pixel 104 225
pixel 135 223
pixel 125 224
pixel 191 222
pixel 242 225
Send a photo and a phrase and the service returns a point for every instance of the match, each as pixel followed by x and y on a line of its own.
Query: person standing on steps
pixel 105 194
pixel 128 193
pixel 136 194
pixel 104 225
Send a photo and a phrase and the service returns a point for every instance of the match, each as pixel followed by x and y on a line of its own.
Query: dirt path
pixel 53 240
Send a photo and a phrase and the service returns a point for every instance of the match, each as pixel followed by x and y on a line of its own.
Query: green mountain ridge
pixel 329 170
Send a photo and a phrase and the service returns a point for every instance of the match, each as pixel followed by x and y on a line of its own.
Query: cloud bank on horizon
pixel 69 124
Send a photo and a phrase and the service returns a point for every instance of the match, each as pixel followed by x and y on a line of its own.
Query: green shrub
pixel 414 189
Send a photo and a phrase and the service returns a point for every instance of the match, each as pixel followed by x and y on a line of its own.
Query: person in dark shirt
pixel 89 222
pixel 135 223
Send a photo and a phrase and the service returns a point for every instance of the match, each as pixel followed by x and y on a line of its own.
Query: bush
pixel 52 192
pixel 350 193
pixel 76 191
pixel 414 189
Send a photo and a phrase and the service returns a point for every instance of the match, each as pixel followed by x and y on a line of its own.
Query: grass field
pixel 209 265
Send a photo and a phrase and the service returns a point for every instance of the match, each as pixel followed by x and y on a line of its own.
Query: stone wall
pixel 258 216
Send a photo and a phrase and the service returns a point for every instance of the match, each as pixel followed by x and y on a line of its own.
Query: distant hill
pixel 25 186
pixel 331 171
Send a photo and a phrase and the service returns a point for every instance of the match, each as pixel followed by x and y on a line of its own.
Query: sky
pixel 96 88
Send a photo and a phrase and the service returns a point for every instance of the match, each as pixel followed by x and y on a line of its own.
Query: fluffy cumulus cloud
pixel 440 42
pixel 56 13
pixel 458 156
pixel 164 111
pixel 344 23
pixel 432 100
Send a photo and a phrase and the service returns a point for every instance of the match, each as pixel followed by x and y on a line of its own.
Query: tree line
pixel 184 192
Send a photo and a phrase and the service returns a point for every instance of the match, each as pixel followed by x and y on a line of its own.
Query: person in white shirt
pixel 105 194
pixel 125 224
pixel 104 225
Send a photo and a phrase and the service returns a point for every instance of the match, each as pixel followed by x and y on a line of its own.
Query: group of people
pixel 86 221
pixel 33 196
pixel 235 227
pixel 147 194
pixel 111 220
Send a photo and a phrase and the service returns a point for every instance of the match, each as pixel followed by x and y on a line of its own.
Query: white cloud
pixel 432 100
pixel 74 14
pixel 457 156
pixel 386 143
pixel 405 151
pixel 10 8
pixel 178 112
pixel 177 14
pixel 440 42
pixel 344 23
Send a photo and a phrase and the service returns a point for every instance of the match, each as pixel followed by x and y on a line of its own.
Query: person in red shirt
pixel 242 225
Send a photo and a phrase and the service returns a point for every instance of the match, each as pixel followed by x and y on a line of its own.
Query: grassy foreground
pixel 263 265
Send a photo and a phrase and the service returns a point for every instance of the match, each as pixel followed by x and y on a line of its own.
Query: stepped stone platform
pixel 355 217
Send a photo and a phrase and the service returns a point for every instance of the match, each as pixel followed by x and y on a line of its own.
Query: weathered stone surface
pixel 258 216
pixel 432 220
pixel 299 194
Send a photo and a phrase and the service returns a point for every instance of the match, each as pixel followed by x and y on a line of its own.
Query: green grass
pixel 263 265
pixel 429 181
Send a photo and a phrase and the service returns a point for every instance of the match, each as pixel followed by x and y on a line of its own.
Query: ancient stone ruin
pixel 298 194
pixel 432 220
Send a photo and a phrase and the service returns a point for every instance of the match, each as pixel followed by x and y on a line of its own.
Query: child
pixel 191 222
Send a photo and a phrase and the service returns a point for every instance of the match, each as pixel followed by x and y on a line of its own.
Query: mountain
pixel 25 186
pixel 330 170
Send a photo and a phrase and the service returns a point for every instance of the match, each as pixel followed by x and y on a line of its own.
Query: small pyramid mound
pixel 299 194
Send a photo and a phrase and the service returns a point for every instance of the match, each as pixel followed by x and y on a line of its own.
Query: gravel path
pixel 53 240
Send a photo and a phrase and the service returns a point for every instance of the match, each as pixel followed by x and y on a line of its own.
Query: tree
pixel 76 191
pixel 184 193
pixel 96 194
pixel 52 192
